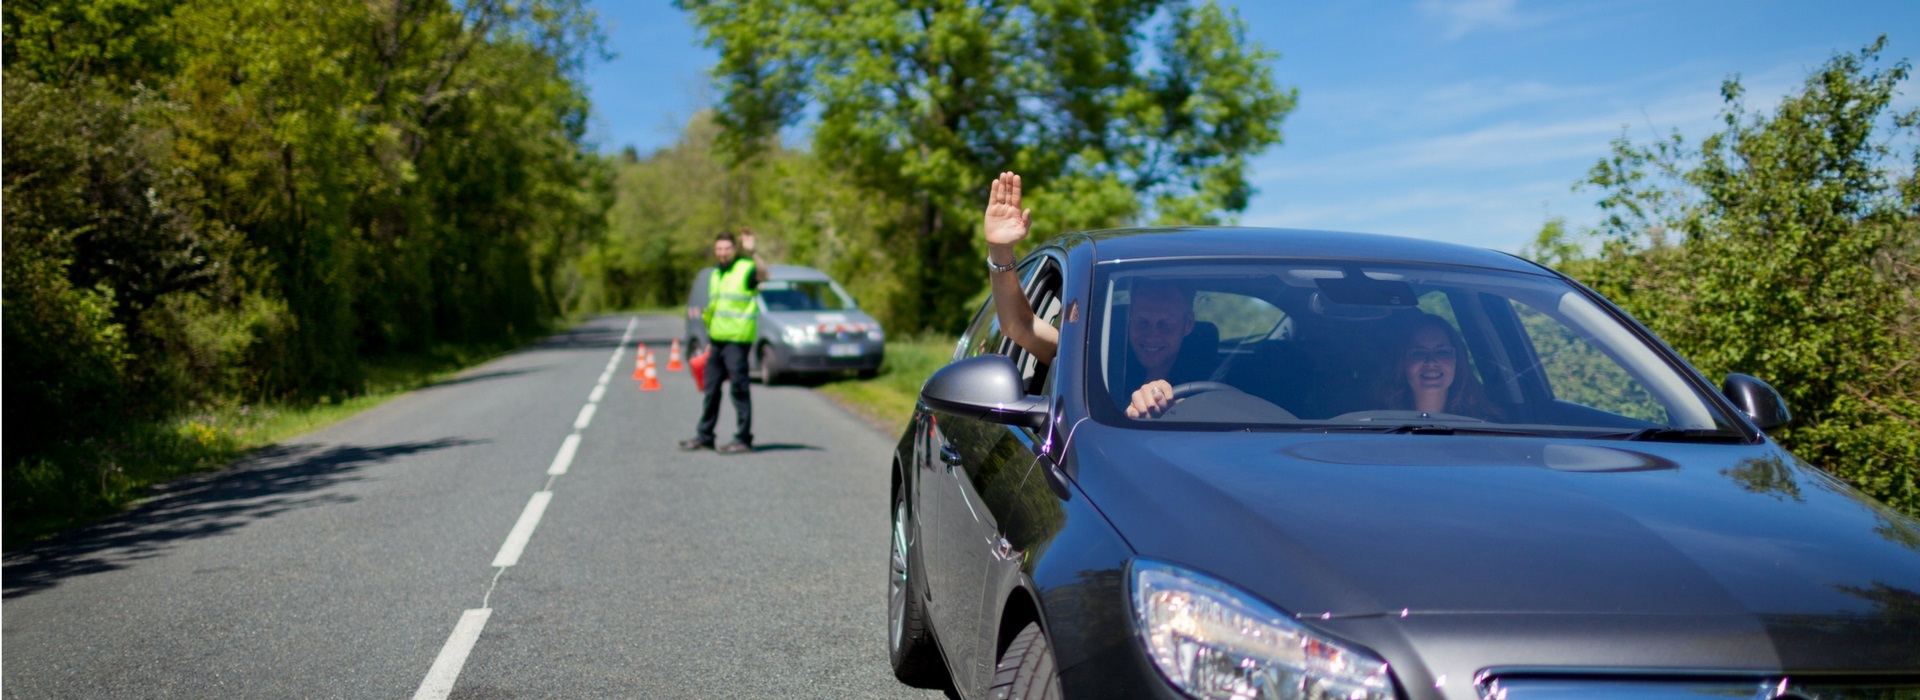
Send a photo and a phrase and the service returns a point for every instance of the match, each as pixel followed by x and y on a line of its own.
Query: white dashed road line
pixel 565 458
pixel 446 668
pixel 453 656
pixel 523 530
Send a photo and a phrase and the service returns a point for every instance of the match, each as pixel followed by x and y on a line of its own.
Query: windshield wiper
pixel 1665 434
pixel 1404 429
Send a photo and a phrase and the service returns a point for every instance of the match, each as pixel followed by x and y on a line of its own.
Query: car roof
pixel 795 272
pixel 1228 241
pixel 777 272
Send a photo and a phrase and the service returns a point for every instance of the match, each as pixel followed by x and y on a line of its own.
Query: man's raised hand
pixel 1006 222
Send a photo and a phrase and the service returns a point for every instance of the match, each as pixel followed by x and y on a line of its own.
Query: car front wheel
pixel 1026 670
pixel 910 645
pixel 768 373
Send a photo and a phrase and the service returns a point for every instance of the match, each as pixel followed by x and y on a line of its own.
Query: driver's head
pixel 1159 317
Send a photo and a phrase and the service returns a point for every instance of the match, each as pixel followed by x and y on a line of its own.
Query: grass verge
pixel 887 400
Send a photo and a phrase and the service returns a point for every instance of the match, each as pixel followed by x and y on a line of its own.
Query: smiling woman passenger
pixel 1426 374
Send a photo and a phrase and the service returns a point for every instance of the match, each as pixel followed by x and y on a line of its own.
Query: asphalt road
pixel 363 560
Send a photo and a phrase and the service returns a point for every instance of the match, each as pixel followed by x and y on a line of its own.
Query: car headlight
pixel 1213 640
pixel 796 335
pixel 875 334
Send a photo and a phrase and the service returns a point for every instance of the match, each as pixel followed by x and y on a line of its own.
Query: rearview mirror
pixel 1757 399
pixel 987 388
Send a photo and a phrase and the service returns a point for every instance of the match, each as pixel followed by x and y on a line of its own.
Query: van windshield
pixel 803 295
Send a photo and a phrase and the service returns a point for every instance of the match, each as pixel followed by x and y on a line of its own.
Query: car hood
pixel 1331 525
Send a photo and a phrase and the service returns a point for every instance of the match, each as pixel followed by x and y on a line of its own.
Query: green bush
pixel 1785 247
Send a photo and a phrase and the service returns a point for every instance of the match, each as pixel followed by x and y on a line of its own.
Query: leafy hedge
pixel 1787 247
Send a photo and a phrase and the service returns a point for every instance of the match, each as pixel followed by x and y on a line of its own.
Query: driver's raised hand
pixel 1151 400
pixel 1006 222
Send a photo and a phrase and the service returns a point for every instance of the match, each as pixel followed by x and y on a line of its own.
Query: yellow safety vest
pixel 730 313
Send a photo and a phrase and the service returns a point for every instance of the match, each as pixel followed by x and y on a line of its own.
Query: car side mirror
pixel 987 388
pixel 1756 399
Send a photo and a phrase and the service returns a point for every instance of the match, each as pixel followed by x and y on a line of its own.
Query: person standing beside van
pixel 729 316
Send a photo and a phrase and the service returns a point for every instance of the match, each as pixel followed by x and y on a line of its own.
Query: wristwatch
pixel 997 267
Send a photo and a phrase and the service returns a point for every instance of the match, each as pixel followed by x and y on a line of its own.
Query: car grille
pixel 814 362
pixel 1534 687
pixel 840 332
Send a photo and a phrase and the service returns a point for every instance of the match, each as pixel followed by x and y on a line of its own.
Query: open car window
pixel 1340 345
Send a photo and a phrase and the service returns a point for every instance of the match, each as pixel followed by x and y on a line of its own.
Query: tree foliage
pixel 246 200
pixel 1787 246
pixel 1109 109
pixel 669 204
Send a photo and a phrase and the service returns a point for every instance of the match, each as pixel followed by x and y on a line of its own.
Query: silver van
pixel 808 324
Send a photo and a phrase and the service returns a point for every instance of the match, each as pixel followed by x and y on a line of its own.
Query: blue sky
pixel 1459 120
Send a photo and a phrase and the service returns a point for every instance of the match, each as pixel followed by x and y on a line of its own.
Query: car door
pixel 960 532
pixel 1022 510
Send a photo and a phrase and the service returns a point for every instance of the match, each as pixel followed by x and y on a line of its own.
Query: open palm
pixel 1006 222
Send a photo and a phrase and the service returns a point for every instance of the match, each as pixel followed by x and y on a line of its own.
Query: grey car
pixel 1588 517
pixel 808 324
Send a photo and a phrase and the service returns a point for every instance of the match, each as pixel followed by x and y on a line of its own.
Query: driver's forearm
pixel 1017 320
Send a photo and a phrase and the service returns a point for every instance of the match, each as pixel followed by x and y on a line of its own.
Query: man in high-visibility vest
pixel 730 316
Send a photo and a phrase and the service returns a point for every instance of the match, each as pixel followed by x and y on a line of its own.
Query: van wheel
pixel 1026 670
pixel 767 372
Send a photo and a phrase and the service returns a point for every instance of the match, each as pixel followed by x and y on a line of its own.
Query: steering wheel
pixel 1191 388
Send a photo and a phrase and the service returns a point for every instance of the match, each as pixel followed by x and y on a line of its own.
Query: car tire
pixel 766 370
pixel 1026 670
pixel 869 373
pixel 910 644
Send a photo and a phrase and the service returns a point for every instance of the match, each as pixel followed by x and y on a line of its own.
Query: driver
pixel 1160 317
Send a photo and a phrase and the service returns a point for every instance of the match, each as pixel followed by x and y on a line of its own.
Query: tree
pixel 922 102
pixel 232 201
pixel 1785 247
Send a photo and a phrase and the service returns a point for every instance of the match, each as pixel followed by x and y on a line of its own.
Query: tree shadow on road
pixel 480 377
pixel 266 483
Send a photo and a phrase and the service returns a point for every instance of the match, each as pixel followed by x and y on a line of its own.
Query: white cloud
pixel 1462 17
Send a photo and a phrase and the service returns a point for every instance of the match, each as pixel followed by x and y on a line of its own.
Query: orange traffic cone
pixel 639 360
pixel 673 357
pixel 649 381
pixel 699 366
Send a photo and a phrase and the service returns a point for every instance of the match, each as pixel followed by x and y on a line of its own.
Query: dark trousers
pixel 727 364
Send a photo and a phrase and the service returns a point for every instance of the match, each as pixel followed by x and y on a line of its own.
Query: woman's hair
pixel 1465 397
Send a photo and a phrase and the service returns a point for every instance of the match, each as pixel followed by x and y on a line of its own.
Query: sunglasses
pixel 1422 356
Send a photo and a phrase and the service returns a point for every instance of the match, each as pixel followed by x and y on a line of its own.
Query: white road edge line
pixel 586 416
pixel 522 531
pixel 565 458
pixel 599 392
pixel 446 668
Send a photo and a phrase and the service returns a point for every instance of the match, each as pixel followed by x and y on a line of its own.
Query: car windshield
pixel 803 295
pixel 1347 346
